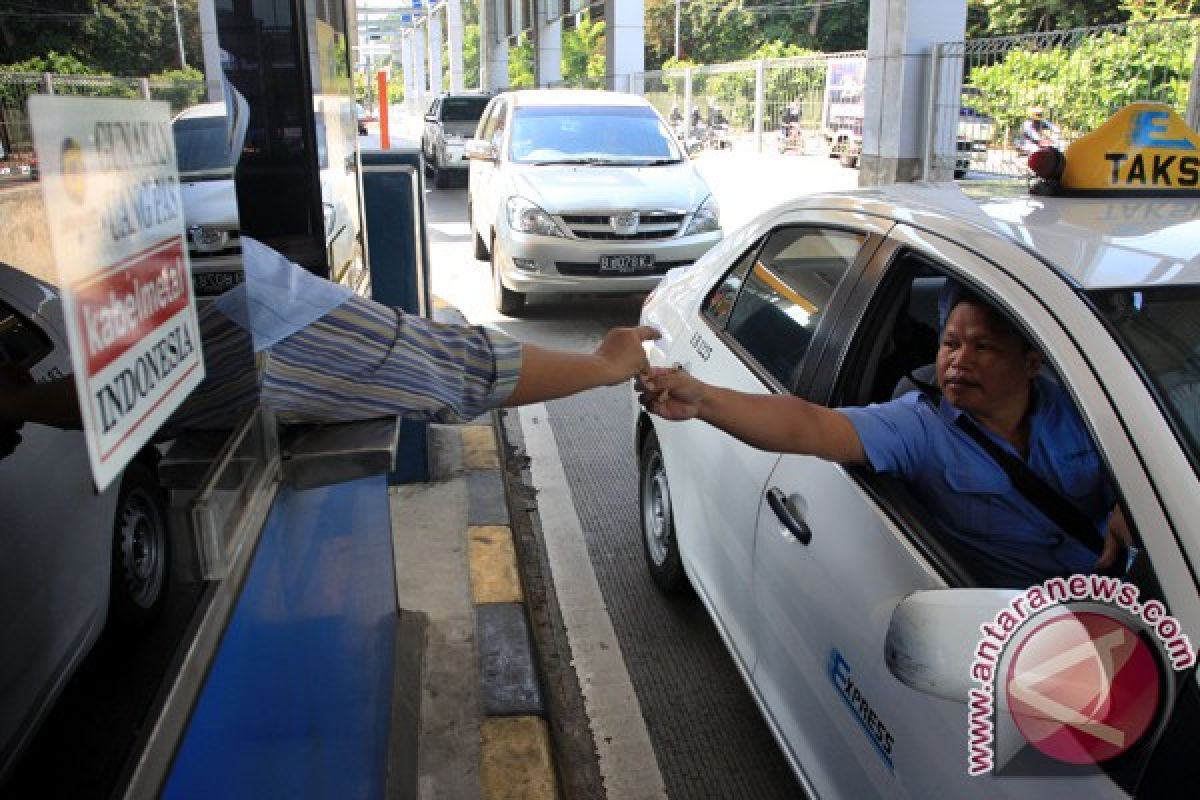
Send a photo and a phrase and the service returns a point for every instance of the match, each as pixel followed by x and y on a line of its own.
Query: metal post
pixel 760 91
pixel 144 88
pixel 935 61
pixel 179 35
pixel 47 83
pixel 687 103
pixel 1193 104
pixel 677 2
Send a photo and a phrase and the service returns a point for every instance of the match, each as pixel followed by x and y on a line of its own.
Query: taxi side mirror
pixel 480 150
pixel 933 635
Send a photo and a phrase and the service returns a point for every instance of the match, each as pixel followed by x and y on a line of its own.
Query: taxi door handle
pixel 786 511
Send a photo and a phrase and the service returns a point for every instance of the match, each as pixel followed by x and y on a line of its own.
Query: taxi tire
pixel 441 177
pixel 481 251
pixel 659 543
pixel 141 554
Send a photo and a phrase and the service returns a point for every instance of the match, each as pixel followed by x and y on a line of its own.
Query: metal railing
pixel 16 136
pixel 741 104
pixel 983 91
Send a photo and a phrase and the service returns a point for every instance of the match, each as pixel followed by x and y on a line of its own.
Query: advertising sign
pixel 111 190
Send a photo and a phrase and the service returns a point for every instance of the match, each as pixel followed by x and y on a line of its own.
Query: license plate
pixel 638 263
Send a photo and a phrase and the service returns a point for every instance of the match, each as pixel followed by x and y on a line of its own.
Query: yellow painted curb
pixel 515 761
pixel 479 447
pixel 493 559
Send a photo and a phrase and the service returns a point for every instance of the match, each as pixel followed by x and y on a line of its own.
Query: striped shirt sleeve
pixel 364 360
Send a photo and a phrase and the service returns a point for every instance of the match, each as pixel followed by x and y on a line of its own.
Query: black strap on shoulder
pixel 1057 508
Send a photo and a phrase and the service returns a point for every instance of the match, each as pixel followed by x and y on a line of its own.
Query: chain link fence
pixel 16 135
pixel 993 101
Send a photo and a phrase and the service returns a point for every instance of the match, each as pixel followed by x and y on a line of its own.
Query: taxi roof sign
pixel 1144 149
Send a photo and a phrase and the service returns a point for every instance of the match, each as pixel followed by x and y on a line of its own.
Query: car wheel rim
pixel 142 546
pixel 656 509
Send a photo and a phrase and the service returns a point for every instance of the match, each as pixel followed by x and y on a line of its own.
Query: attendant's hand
pixel 621 353
pixel 671 393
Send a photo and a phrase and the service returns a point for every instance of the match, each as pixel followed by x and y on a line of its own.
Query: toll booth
pixel 249 563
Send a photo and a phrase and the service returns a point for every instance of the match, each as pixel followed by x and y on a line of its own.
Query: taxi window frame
pixel 815 353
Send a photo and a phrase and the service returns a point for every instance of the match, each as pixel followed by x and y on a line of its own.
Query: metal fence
pixel 744 104
pixel 16 136
pixel 986 93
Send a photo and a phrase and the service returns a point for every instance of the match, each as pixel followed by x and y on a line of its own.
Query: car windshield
pixel 200 145
pixel 463 109
pixel 591 135
pixel 1161 328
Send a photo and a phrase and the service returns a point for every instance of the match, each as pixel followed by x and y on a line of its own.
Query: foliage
pixel 186 87
pixel 1081 86
pixel 118 37
pixel 999 17
pixel 520 63
pixel 470 56
pixel 719 31
pixel 583 51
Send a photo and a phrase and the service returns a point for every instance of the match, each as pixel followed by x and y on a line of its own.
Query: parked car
pixel 583 192
pixel 450 120
pixel 72 561
pixel 814 572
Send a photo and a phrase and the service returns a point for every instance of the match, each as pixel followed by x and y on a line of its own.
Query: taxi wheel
pixel 441 177
pixel 141 560
pixel 658 522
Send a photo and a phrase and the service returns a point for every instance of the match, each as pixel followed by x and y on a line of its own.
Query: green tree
pixel 520 63
pixel 119 37
pixel 583 59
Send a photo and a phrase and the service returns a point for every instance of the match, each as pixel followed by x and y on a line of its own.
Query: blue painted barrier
pixel 298 701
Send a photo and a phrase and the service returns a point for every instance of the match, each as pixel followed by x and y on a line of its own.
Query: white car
pixel 73 562
pixel 845 606
pixel 574 191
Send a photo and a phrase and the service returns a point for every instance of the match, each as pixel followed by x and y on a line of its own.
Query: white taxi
pixel 884 666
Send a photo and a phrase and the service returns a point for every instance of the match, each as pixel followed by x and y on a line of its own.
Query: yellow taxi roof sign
pixel 1145 148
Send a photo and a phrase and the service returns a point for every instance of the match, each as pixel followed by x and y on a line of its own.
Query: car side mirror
pixel 933 635
pixel 480 150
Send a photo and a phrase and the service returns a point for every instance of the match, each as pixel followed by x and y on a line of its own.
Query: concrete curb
pixel 516 759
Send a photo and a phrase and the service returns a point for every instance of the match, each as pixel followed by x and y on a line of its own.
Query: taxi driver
pixel 986 372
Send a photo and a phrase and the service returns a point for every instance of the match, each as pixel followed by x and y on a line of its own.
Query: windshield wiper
pixel 587 162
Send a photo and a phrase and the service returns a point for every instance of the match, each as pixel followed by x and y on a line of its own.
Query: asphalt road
pixel 679 721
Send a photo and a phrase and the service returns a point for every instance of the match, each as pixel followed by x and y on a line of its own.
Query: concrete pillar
pixel 493 48
pixel 900 39
pixel 406 64
pixel 214 88
pixel 435 52
pixel 548 62
pixel 625 41
pixel 454 30
pixel 419 51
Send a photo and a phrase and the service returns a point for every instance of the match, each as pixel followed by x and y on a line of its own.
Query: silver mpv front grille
pixel 650 225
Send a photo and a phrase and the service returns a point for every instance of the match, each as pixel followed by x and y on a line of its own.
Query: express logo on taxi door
pixel 1144 146
pixel 868 719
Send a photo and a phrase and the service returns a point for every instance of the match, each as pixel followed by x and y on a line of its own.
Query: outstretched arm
pixel 548 374
pixel 773 422
pixel 51 403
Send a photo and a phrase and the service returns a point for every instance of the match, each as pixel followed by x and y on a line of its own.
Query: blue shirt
pixel 1012 541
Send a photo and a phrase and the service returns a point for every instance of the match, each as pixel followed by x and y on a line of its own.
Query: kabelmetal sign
pixel 111 189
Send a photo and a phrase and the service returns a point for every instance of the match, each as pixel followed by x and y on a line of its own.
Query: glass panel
pixel 624 134
pixel 1161 328
pixel 785 294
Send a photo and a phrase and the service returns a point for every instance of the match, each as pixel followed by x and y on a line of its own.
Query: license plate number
pixel 636 263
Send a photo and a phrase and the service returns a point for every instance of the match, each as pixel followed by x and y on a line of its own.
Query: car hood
pixel 209 202
pixel 558 190
pixel 464 129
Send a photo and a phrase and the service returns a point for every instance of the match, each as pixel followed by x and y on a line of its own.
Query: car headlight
pixel 208 239
pixel 707 217
pixel 525 217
